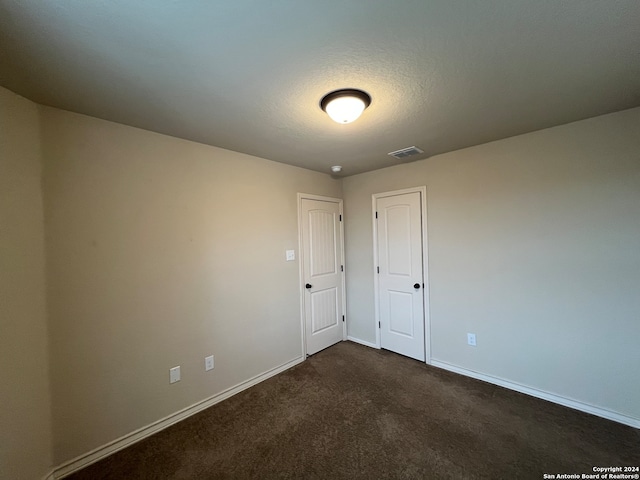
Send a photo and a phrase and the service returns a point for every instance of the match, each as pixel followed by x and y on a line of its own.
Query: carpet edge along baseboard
pixel 129 439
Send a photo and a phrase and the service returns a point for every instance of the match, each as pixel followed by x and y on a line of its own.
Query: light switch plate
pixel 208 363
pixel 471 339
pixel 174 374
pixel 291 255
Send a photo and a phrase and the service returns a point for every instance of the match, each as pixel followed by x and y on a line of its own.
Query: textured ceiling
pixel 247 75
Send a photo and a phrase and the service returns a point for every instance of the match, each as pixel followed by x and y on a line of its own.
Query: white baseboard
pixel 101 452
pixel 362 342
pixel 551 397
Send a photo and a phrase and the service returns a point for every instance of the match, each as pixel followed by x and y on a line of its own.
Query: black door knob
pixel 416 285
pixel 308 285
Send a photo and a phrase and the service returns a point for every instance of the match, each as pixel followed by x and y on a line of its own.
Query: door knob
pixel 308 285
pixel 416 285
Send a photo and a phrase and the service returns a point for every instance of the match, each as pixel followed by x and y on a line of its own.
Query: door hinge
pixel 379 325
pixel 378 269
pixel 376 214
pixel 342 268
pixel 340 217
pixel 343 318
pixel 423 285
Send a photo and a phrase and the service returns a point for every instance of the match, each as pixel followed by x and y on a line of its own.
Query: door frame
pixel 301 272
pixel 425 264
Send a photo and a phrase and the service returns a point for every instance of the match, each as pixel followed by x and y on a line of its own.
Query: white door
pixel 401 276
pixel 322 273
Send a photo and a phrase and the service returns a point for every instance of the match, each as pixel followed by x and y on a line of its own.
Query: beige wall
pixel 25 419
pixel 160 252
pixel 534 245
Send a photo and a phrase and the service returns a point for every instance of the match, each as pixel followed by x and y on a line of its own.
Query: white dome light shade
pixel 345 109
pixel 345 106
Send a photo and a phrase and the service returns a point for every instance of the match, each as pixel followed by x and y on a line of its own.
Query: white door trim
pixel 301 272
pixel 425 267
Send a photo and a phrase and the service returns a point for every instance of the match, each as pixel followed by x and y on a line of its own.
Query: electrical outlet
pixel 174 374
pixel 208 363
pixel 471 339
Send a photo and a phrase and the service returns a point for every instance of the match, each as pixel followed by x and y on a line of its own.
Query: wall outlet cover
pixel 471 339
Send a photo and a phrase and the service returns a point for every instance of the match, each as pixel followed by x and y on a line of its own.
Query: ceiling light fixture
pixel 336 169
pixel 345 106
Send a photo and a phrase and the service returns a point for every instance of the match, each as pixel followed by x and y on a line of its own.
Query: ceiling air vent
pixel 405 152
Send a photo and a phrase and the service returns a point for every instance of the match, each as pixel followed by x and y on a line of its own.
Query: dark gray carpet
pixel 351 412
